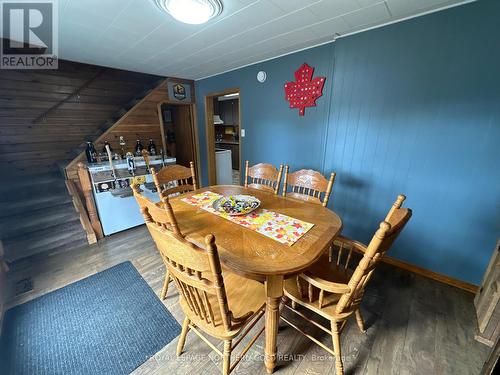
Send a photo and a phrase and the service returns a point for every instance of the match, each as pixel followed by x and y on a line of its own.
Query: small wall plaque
pixel 179 92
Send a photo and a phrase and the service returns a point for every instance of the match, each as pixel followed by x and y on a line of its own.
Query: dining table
pixel 256 256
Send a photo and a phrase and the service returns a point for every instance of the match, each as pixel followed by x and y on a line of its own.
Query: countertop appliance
pixel 223 167
pixel 118 213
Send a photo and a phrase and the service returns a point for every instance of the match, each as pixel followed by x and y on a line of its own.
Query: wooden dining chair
pixel 263 176
pixel 335 290
pixel 162 215
pixel 308 185
pixel 224 306
pixel 176 175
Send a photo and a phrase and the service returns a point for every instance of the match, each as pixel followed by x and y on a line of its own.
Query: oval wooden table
pixel 256 256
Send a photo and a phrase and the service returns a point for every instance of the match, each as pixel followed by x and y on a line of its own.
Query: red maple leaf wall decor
pixel 304 91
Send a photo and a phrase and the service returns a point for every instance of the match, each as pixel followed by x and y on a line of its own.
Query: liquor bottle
pixel 91 153
pixel 106 143
pixel 138 148
pixel 130 163
pixel 122 145
pixel 152 148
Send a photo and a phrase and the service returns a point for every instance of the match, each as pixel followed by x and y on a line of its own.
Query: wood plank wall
pixel 141 122
pixel 32 141
pixel 3 285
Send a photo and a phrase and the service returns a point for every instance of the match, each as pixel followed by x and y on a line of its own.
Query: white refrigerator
pixel 223 167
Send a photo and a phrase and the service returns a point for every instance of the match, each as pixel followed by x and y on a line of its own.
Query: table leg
pixel 274 292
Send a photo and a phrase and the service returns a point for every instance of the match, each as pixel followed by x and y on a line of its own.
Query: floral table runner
pixel 282 228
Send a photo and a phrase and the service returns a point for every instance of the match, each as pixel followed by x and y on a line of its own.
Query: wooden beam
pixel 82 212
pixel 3 284
pixel 86 184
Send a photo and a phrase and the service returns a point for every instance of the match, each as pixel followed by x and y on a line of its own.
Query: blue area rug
pixel 108 323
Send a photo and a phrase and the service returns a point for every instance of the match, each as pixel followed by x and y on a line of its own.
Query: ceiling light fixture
pixel 193 12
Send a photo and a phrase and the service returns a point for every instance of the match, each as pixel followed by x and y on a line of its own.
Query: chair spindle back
pixel 308 185
pixel 263 176
pixel 174 173
pixel 348 251
pixel 379 245
pixel 161 216
pixel 197 272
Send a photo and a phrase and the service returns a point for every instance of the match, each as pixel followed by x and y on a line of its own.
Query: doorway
pixel 224 141
pixel 178 134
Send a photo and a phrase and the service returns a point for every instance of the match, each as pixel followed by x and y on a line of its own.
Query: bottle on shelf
pixel 106 143
pixel 152 148
pixel 138 148
pixel 104 152
pixel 91 153
pixel 122 145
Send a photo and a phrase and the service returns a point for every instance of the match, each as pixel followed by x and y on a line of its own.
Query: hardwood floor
pixel 427 328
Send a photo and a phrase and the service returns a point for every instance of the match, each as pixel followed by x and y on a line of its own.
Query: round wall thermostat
pixel 261 76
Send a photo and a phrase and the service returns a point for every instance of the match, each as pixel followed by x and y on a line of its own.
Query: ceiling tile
pixel 134 34
pixel 249 17
pixel 291 5
pixel 377 13
pixel 232 6
pixel 164 36
pixel 134 17
pixel 292 21
pixel 401 8
pixel 115 40
pixel 367 3
pixel 266 46
pixel 327 9
pixel 98 22
pixel 330 27
pixel 75 37
pixel 107 9
pixel 210 69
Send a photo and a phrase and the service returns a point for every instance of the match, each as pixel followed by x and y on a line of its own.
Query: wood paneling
pixel 46 114
pixel 184 136
pixel 409 108
pixel 3 284
pixel 142 122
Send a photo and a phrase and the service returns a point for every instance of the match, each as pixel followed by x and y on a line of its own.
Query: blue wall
pixel 409 108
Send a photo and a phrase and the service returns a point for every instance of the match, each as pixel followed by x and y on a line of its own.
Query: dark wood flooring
pixel 415 325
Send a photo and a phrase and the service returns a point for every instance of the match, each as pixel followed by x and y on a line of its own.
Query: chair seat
pixel 325 270
pixel 244 296
pixel 303 197
pixel 261 187
pixel 329 271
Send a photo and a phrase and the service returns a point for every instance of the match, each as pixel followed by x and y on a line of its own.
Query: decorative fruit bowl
pixel 235 205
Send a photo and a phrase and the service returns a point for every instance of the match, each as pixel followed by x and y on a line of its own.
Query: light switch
pixel 242 133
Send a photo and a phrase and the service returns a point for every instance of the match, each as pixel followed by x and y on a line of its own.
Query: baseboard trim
pixel 431 274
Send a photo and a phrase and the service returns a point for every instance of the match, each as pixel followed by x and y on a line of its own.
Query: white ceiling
pixel 135 35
